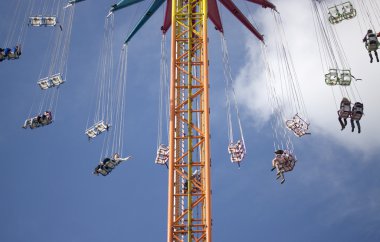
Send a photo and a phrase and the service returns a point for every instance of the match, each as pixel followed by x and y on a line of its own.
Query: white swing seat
pixel 91 133
pixel 348 10
pixel 48 82
pixel 97 129
pixel 56 79
pixel 298 126
pixel 162 155
pixel 334 15
pixel 237 152
pixel 36 21
pixel 101 126
pixel 332 78
pixel 50 21
pixel 44 83
pixel 345 78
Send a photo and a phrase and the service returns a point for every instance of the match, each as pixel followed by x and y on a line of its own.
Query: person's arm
pixel 126 158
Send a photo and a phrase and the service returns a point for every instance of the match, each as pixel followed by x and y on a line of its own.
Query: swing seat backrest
pixel 103 172
pixel 56 79
pixel 91 133
pixel 332 78
pixel 101 126
pixel 36 21
pixel 357 111
pixel 44 83
pixel 345 78
pixel 348 10
pixel 49 21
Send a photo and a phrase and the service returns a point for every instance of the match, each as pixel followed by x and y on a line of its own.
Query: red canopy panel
pixel 264 3
pixel 168 17
pixel 240 16
pixel 213 14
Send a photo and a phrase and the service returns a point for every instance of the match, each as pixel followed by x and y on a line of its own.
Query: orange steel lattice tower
pixel 189 195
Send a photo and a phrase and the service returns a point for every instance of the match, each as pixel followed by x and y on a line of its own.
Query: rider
pixel 356 115
pixel 372 43
pixel 344 112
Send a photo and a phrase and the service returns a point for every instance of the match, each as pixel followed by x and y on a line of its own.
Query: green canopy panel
pixel 123 4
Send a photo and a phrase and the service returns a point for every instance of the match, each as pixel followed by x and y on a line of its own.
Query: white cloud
pixel 320 102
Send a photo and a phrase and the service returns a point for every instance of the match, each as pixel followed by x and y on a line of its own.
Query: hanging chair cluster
pixel 340 12
pixel 38 121
pixel 97 129
pixel 108 164
pixel 10 53
pixel 346 112
pixel 338 77
pixel 47 21
pixel 52 81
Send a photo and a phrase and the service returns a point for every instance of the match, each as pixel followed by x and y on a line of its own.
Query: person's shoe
pixel 282 182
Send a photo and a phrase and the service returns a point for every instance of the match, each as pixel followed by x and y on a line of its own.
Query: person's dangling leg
pixel 341 123
pixel 377 57
pixel 358 124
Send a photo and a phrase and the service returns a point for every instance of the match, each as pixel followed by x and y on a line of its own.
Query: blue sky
pixel 48 192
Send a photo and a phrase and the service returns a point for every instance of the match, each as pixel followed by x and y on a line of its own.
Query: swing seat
pixel 36 21
pixel 111 164
pixel 344 113
pixel 56 79
pixel 48 82
pixel 103 172
pixel 36 123
pixel 334 15
pixel 49 21
pixel 332 77
pixel 14 53
pixel 298 126
pixel 334 20
pixel 97 129
pixel 101 126
pixel 357 111
pixel 345 78
pixel 237 151
pixel 44 83
pixel 91 133
pixel 162 156
pixel 349 11
pixel 284 163
pixel 372 46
